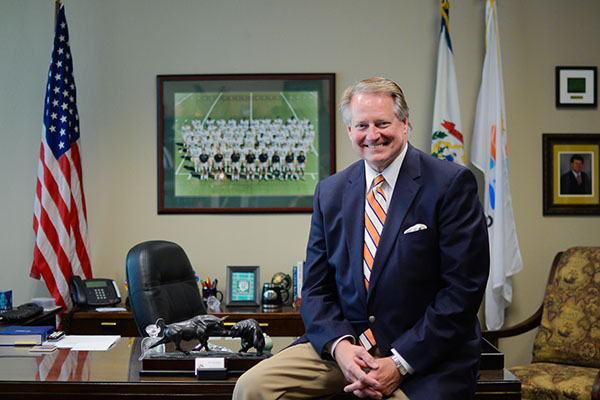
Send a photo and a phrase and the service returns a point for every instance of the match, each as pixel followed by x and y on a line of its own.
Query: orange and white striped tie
pixel 375 214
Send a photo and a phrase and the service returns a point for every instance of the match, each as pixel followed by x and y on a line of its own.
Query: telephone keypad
pixel 100 294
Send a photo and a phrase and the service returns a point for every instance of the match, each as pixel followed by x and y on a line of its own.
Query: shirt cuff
pixel 331 345
pixel 403 361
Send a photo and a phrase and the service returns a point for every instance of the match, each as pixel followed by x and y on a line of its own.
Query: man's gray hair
pixel 377 86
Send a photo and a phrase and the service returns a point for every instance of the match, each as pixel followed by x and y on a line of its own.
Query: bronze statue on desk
pixel 251 333
pixel 201 327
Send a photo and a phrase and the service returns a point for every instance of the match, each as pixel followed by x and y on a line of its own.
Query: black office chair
pixel 161 284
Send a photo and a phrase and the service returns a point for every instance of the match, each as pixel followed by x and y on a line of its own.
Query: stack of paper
pixel 87 342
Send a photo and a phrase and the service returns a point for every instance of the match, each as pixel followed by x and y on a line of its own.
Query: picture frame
pixel 571 171
pixel 243 284
pixel 204 119
pixel 576 87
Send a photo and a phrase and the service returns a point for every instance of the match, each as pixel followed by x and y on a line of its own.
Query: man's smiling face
pixel 577 165
pixel 377 135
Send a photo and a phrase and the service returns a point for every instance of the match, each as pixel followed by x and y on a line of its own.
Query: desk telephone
pixel 94 292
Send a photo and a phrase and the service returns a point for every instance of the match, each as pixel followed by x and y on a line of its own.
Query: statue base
pixel 177 363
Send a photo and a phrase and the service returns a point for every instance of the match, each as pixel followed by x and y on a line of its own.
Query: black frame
pixel 240 196
pixel 555 146
pixel 231 300
pixel 583 73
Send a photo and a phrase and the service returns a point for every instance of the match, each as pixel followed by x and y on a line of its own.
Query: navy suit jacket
pixel 426 287
pixel 568 184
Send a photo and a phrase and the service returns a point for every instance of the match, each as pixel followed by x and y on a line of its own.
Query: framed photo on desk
pixel 242 286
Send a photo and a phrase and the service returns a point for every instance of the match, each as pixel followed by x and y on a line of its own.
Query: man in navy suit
pixel 404 324
pixel 575 181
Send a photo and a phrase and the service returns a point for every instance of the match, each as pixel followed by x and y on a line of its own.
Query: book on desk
pixel 16 335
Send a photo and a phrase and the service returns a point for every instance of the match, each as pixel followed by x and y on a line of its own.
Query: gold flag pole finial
pixel 444 7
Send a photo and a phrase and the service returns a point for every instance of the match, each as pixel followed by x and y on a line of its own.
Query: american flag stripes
pixel 59 216
pixel 64 365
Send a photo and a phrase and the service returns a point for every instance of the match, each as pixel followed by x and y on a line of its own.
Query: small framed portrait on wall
pixel 571 174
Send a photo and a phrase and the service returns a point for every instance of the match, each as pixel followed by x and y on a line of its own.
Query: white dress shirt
pixel 390 175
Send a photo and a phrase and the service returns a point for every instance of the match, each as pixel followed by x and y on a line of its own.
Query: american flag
pixel 59 214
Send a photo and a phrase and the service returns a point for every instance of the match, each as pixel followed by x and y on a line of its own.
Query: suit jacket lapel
pixel 404 193
pixel 353 205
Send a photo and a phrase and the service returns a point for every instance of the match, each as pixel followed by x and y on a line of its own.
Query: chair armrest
pixel 596 388
pixel 531 322
pixel 522 327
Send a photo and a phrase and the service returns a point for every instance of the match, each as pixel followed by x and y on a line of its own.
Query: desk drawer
pixel 273 324
pixel 283 322
pixel 103 325
pixel 285 328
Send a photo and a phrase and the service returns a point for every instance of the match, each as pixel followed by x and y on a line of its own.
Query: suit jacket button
pixel 372 319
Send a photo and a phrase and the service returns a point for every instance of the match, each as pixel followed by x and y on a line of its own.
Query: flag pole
pixel 57 4
pixel 61 235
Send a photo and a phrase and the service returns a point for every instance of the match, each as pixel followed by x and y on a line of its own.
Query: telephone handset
pixel 94 292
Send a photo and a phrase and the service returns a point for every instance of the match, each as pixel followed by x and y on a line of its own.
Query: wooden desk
pixel 498 385
pixel 283 321
pixel 114 374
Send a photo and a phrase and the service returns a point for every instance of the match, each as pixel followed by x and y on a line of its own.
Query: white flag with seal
pixel 447 140
pixel 489 154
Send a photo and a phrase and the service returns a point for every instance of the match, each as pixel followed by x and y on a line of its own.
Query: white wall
pixel 120 46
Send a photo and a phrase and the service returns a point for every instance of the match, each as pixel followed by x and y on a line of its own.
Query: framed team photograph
pixel 571 174
pixel 243 284
pixel 243 143
pixel 576 87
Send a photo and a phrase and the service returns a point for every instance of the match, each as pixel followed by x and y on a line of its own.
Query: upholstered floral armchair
pixel 566 350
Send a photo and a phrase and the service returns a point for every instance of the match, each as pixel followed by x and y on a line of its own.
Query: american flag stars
pixel 61 118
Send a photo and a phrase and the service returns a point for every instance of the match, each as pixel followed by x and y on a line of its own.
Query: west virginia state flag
pixel 489 154
pixel 447 140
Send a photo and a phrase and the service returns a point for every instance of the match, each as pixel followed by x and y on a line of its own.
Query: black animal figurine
pixel 251 334
pixel 199 327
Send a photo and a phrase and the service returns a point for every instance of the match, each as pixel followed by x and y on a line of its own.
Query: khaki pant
pixel 294 373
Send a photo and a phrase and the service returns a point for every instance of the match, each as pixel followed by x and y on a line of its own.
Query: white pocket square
pixel 415 228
